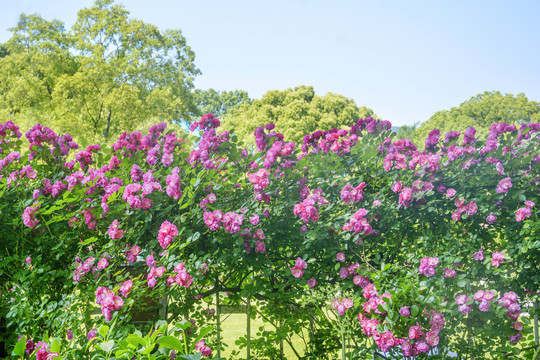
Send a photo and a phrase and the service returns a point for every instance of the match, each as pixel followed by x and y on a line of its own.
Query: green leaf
pixel 147 349
pixel 55 346
pixel 414 310
pixel 20 347
pixel 192 357
pixel 170 342
pixel 135 340
pixel 103 330
pixel 107 346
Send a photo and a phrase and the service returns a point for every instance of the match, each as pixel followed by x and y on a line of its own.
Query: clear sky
pixel 404 59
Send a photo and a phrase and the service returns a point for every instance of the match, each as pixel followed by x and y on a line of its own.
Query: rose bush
pixel 369 242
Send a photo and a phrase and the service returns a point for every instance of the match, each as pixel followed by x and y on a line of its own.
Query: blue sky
pixel 404 59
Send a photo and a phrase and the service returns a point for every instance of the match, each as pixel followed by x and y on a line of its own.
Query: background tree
pixel 296 112
pixel 108 73
pixel 479 111
pixel 217 102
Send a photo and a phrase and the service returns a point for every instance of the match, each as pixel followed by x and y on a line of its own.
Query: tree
pixel 295 112
pixel 480 112
pixel 217 102
pixel 108 73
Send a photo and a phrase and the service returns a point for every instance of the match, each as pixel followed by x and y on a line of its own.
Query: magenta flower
pixel 260 247
pixel 92 334
pixel 461 299
pixel 497 258
pixel 340 257
pixel 301 264
pixel 113 232
pixel 427 266
pixel 464 309
pixel 297 272
pixel 504 185
pixel 386 341
pixel 491 218
pixel 69 334
pixel 484 305
pixel 102 263
pixel 517 326
pixel 516 338
pixel 205 350
pixel 422 347
pixel 479 255
pixel 254 219
pixel 523 213
pixel 213 219
pixel 396 187
pixel 448 273
pixel 370 291
pixel 415 332
pixel 167 232
pixel 28 260
pixel 312 283
pixel 405 311
pixel 432 338
pixel 29 217
pixel 361 281
pixel 126 287
pixel 479 295
pixel 450 193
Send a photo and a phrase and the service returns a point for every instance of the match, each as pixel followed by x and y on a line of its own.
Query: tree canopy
pixel 480 112
pixel 216 102
pixel 108 73
pixel 295 112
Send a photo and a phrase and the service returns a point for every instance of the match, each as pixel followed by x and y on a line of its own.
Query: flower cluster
pixel 342 306
pixel 427 266
pixel 29 216
pixel 113 231
pixel 358 224
pixel 82 268
pixel 497 258
pixel 166 233
pixel 109 301
pixel 85 157
pixel 484 298
pixel 173 184
pixel 350 194
pixel 132 252
pixel 205 350
pixel 307 210
pixel 298 268
pixel 181 278
pixel 153 274
pixel 510 302
pixel 209 141
pixel 524 212
pixel 471 208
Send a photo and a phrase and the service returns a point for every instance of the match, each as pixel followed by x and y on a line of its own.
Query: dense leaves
pixel 107 74
pixel 295 112
pixel 480 111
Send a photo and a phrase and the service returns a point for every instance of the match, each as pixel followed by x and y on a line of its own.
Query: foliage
pixel 217 102
pixel 107 74
pixel 372 245
pixel 480 112
pixel 295 112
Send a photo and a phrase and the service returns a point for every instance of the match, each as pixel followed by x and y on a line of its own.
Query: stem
pixel 343 354
pixel 185 342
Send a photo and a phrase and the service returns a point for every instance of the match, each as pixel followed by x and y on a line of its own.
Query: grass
pixel 234 327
